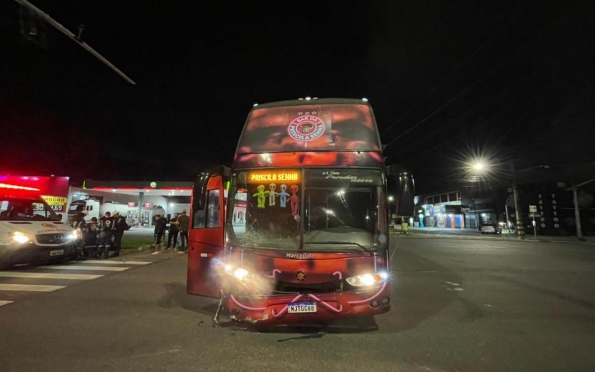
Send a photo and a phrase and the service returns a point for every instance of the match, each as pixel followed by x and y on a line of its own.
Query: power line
pixel 508 88
pixel 495 116
pixel 482 79
pixel 483 44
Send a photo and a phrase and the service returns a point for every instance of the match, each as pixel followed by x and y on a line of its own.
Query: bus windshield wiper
pixel 340 242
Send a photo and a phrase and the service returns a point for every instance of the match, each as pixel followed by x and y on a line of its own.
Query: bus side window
pixel 213 209
pixel 198 221
pixel 209 216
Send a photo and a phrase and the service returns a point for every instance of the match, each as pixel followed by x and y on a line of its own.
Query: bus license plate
pixel 57 253
pixel 301 307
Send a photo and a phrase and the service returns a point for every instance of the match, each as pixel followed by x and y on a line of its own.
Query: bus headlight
pixel 20 237
pixel 367 280
pixel 237 272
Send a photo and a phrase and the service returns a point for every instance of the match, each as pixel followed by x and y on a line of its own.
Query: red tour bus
pixel 296 232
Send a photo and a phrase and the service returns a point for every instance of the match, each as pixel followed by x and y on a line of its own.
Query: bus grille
pixel 327 287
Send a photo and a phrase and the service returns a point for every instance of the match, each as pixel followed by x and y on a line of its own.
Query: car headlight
pixel 20 237
pixel 237 272
pixel 367 280
pixel 76 235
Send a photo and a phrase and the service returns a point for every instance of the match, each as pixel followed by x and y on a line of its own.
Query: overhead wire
pixel 481 124
pixel 467 113
pixel 481 47
pixel 485 77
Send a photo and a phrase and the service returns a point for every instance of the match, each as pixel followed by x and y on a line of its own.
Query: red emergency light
pixel 16 187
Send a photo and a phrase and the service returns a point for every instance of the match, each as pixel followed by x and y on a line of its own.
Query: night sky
pixel 512 80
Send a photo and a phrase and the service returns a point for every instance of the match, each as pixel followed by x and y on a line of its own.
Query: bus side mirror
pixel 199 190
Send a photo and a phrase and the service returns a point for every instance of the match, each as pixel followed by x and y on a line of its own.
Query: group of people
pixel 178 225
pixel 99 237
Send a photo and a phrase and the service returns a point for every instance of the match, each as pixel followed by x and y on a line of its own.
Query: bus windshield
pixel 308 209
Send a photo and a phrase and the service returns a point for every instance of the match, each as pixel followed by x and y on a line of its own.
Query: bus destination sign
pixel 272 176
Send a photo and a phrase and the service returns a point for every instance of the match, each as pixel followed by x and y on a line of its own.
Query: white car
pixel 32 233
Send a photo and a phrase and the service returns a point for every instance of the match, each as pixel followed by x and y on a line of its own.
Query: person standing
pixel 106 227
pixel 160 224
pixel 90 238
pixel 173 232
pixel 80 226
pixel 120 226
pixel 183 221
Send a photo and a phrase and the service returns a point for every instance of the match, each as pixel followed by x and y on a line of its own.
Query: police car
pixel 32 233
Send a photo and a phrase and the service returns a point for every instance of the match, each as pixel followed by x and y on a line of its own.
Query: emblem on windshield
pixel 300 275
pixel 306 127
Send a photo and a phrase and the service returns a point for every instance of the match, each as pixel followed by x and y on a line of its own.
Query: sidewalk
pixel 474 234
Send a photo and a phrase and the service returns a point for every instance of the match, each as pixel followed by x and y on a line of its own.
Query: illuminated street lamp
pixel 482 167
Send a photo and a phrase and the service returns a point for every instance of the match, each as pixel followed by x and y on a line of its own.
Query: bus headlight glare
pixel 367 280
pixel 237 272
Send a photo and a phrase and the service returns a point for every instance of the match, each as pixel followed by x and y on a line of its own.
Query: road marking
pixel 86 268
pixel 18 274
pixel 30 287
pixel 391 256
pixel 2 303
pixel 118 262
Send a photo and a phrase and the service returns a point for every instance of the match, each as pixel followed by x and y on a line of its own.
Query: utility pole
pixel 577 212
pixel 520 228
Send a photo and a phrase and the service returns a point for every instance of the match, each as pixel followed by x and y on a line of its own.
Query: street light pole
pixel 519 221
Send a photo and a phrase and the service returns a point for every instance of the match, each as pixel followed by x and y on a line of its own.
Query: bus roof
pixel 313 101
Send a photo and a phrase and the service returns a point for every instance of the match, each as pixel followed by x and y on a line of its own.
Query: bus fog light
pixel 375 303
pixel 386 301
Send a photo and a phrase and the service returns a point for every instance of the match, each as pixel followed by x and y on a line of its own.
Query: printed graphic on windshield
pixel 337 127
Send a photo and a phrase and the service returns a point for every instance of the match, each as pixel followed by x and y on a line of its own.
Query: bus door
pixel 206 232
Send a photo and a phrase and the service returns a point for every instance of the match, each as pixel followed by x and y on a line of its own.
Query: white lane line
pixel 118 262
pixel 19 274
pixel 30 287
pixel 391 256
pixel 2 303
pixel 86 268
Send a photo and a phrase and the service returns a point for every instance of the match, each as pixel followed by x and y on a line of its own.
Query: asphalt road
pixel 458 305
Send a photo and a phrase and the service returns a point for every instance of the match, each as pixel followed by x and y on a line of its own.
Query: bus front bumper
pixel 308 308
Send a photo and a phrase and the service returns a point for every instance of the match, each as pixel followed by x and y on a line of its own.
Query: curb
pixel 454 236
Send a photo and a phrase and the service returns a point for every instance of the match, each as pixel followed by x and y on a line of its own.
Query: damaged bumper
pixel 308 307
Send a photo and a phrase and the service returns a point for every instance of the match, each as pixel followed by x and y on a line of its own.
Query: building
pixel 138 200
pixel 548 190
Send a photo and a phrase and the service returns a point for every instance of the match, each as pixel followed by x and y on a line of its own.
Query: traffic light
pixel 33 28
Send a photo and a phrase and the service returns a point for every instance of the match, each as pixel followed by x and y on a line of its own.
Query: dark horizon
pixel 512 80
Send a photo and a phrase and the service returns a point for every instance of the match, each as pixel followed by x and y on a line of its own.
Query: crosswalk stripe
pixel 18 274
pixel 30 287
pixel 86 268
pixel 118 262
pixel 2 303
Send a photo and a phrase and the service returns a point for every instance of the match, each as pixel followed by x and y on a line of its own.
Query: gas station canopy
pixel 157 188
